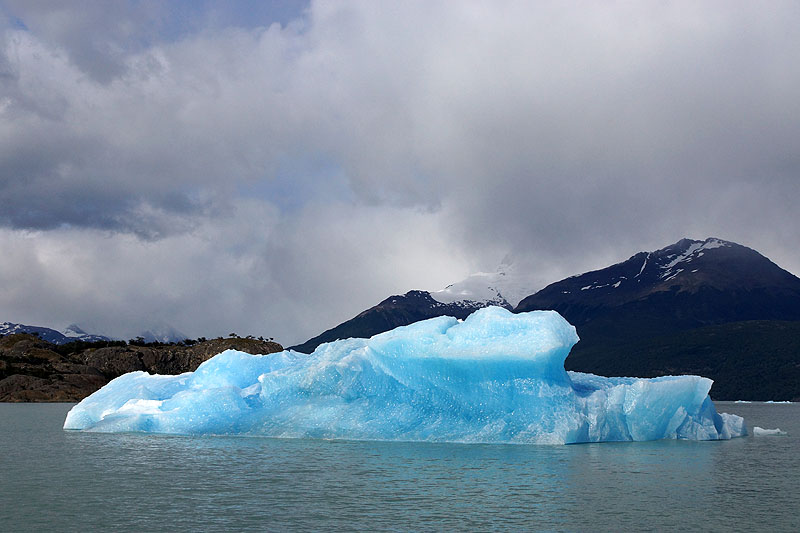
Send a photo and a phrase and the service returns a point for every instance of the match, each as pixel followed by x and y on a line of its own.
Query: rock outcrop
pixel 34 370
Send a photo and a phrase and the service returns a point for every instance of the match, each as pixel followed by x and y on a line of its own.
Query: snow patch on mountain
pixel 644 265
pixel 693 251
pixel 9 328
pixel 684 256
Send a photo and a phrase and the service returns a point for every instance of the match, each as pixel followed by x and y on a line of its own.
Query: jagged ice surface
pixel 495 377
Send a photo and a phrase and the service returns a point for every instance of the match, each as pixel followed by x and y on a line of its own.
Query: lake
pixel 51 479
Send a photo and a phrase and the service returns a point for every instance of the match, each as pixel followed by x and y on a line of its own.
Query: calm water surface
pixel 52 480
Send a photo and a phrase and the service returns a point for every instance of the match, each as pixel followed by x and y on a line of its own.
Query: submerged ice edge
pixel 495 377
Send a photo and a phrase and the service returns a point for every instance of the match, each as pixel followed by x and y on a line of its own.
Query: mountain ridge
pixel 690 283
pixel 158 334
pixel 72 333
pixel 684 264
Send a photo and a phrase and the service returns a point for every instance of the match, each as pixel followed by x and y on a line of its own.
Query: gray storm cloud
pixel 287 175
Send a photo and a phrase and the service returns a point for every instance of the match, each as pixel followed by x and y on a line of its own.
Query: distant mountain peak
pixel 506 286
pixel 162 333
pixel 70 334
pixel 479 287
pixel 686 247
pixel 674 259
pixel 687 266
pixel 73 330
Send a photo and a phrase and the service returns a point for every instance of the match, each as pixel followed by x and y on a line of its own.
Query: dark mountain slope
pixel 753 360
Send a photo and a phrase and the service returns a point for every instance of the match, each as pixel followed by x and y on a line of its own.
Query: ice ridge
pixel 495 377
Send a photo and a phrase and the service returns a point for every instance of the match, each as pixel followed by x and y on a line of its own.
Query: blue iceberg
pixel 495 377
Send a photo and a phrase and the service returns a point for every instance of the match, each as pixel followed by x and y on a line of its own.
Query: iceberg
pixel 761 432
pixel 496 377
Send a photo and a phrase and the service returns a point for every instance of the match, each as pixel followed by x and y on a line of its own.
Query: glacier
pixel 496 377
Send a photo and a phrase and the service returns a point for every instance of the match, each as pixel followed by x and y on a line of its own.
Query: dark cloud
pixel 320 163
pixel 98 36
pixel 95 34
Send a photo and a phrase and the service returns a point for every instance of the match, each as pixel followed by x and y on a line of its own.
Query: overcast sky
pixel 233 166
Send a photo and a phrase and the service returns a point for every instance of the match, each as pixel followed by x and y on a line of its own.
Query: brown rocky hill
pixel 34 370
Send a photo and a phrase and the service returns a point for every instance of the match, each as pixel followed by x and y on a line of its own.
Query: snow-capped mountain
pixel 70 334
pixel 480 287
pixel 695 282
pixel 508 285
pixel 75 332
pixel 162 333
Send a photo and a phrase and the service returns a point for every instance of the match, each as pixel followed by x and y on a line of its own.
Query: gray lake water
pixel 52 480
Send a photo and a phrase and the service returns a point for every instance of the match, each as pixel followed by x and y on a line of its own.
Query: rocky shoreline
pixel 34 370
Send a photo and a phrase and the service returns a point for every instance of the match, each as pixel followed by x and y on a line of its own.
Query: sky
pixel 274 168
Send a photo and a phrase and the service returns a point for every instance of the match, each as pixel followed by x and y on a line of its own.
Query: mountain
pixel 691 307
pixel 72 333
pixel 685 285
pixel 163 333
pixel 509 284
